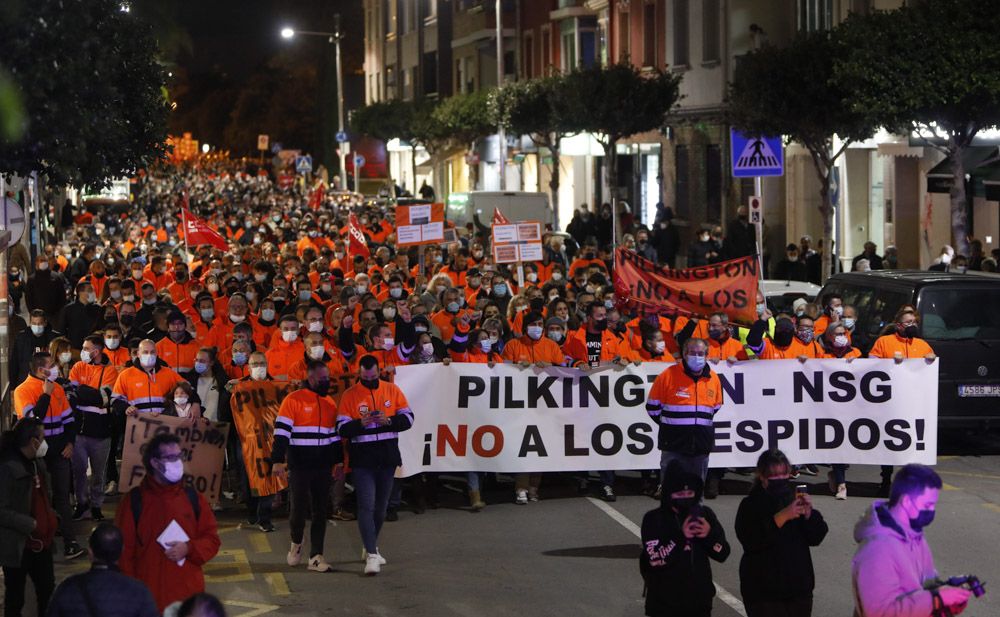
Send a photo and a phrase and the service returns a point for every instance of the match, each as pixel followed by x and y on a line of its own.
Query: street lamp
pixel 205 148
pixel 332 37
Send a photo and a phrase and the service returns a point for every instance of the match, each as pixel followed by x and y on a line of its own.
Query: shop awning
pixel 939 178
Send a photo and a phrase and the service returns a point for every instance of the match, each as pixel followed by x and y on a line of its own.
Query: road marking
pixel 948 487
pixel 277 582
pixel 256 609
pixel 259 543
pixel 238 562
pixel 730 600
pixel 992 506
pixel 965 474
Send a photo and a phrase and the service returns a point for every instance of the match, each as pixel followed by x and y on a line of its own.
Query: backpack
pixel 135 499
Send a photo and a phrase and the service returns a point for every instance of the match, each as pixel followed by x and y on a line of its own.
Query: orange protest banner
pixel 255 406
pixel 419 224
pixel 729 287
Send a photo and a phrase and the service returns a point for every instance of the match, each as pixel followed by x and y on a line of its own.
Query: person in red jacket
pixel 172 572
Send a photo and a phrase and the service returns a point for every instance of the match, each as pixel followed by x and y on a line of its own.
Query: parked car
pixel 781 294
pixel 960 318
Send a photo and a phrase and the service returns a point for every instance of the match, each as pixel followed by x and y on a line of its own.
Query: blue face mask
pixel 695 363
pixel 239 358
pixel 500 290
pixel 200 367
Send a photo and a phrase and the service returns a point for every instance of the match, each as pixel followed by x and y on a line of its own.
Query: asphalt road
pixel 572 555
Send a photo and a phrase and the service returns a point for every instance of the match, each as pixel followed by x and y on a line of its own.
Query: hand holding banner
pixel 728 286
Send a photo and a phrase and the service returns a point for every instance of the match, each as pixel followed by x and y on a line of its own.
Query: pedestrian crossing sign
pixel 754 156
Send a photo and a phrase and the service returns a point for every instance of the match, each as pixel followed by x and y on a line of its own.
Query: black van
pixel 959 317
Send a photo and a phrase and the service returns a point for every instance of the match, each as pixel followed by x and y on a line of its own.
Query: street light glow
pixel 205 148
pixel 287 33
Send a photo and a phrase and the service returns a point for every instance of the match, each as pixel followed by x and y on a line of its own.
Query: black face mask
pixel 779 487
pixel 601 325
pixel 127 320
pixel 321 387
pixel 683 505
pixel 924 518
pixel 371 384
pixel 716 335
pixel 783 338
pixel 910 331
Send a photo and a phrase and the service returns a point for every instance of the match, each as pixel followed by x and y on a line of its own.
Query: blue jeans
pixel 839 473
pixel 372 487
pixel 473 478
pixel 693 464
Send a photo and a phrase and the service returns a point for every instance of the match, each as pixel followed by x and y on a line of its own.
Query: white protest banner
pixel 470 417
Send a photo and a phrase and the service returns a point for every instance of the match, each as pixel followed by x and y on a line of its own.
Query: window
pixel 964 313
pixel 624 34
pixel 528 67
pixel 567 52
pixel 408 83
pixel 430 73
pixel 815 15
pixel 546 50
pixel 509 65
pixel 390 19
pixel 710 31
pixel 862 7
pixel 409 17
pixel 588 48
pixel 681 33
pixel 713 183
pixel 430 9
pixel 682 204
pixel 649 34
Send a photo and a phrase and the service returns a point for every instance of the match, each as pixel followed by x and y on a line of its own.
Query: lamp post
pixel 501 133
pixel 332 37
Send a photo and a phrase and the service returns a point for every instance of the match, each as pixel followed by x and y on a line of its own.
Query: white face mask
pixel 85 356
pixel 388 343
pixel 42 449
pixel 534 332
pixel 486 345
pixel 840 341
pixel 315 326
pixel 659 346
pixel 316 352
pixel 181 400
pixel 147 360
pixel 531 276
pixel 54 373
pixel 65 357
pixel 37 330
pixel 173 471
pixel 236 318
pixel 389 313
pixel 267 314
pixel 289 336
pixel 111 343
pixel 427 349
pixel 557 276
pixel 258 373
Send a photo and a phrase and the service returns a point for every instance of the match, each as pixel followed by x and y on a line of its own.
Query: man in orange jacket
pixel 593 344
pixel 173 572
pixel 288 350
pixel 533 347
pixel 178 348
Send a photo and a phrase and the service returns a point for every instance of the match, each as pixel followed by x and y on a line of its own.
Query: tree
pixel 87 76
pixel 464 118
pixel 531 108
pixel 614 102
pixel 791 91
pixel 950 90
pixel 408 121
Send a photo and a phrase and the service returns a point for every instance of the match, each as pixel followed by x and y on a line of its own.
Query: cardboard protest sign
pixel 255 405
pixel 729 287
pixel 469 416
pixel 419 224
pixel 203 446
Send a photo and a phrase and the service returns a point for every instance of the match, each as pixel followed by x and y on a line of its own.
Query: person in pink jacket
pixel 893 572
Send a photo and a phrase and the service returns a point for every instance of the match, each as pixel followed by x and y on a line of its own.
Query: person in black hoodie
pixel 678 538
pixel 776 527
pixel 35 338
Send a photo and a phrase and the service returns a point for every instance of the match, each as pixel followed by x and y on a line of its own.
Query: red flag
pixel 499 218
pixel 357 245
pixel 316 199
pixel 198 231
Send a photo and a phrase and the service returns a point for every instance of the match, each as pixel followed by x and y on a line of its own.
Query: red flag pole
pixel 187 249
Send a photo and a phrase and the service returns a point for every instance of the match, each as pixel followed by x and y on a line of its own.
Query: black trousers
pixel 799 607
pixel 309 492
pixel 39 567
pixel 61 473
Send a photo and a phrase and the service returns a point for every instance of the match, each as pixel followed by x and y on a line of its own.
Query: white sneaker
pixel 111 489
pixel 841 492
pixel 522 497
pixel 372 565
pixel 318 564
pixel 377 554
pixel 294 555
pixel 532 494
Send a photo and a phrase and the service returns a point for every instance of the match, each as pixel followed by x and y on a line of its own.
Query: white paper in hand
pixel 173 533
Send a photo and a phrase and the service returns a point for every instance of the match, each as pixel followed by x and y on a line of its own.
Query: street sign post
pixel 262 142
pixel 756 211
pixel 359 162
pixel 304 164
pixel 341 137
pixel 754 156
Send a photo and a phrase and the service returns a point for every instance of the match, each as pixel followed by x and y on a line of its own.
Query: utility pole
pixel 341 147
pixel 501 134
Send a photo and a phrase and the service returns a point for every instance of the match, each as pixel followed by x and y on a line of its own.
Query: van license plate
pixel 979 391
